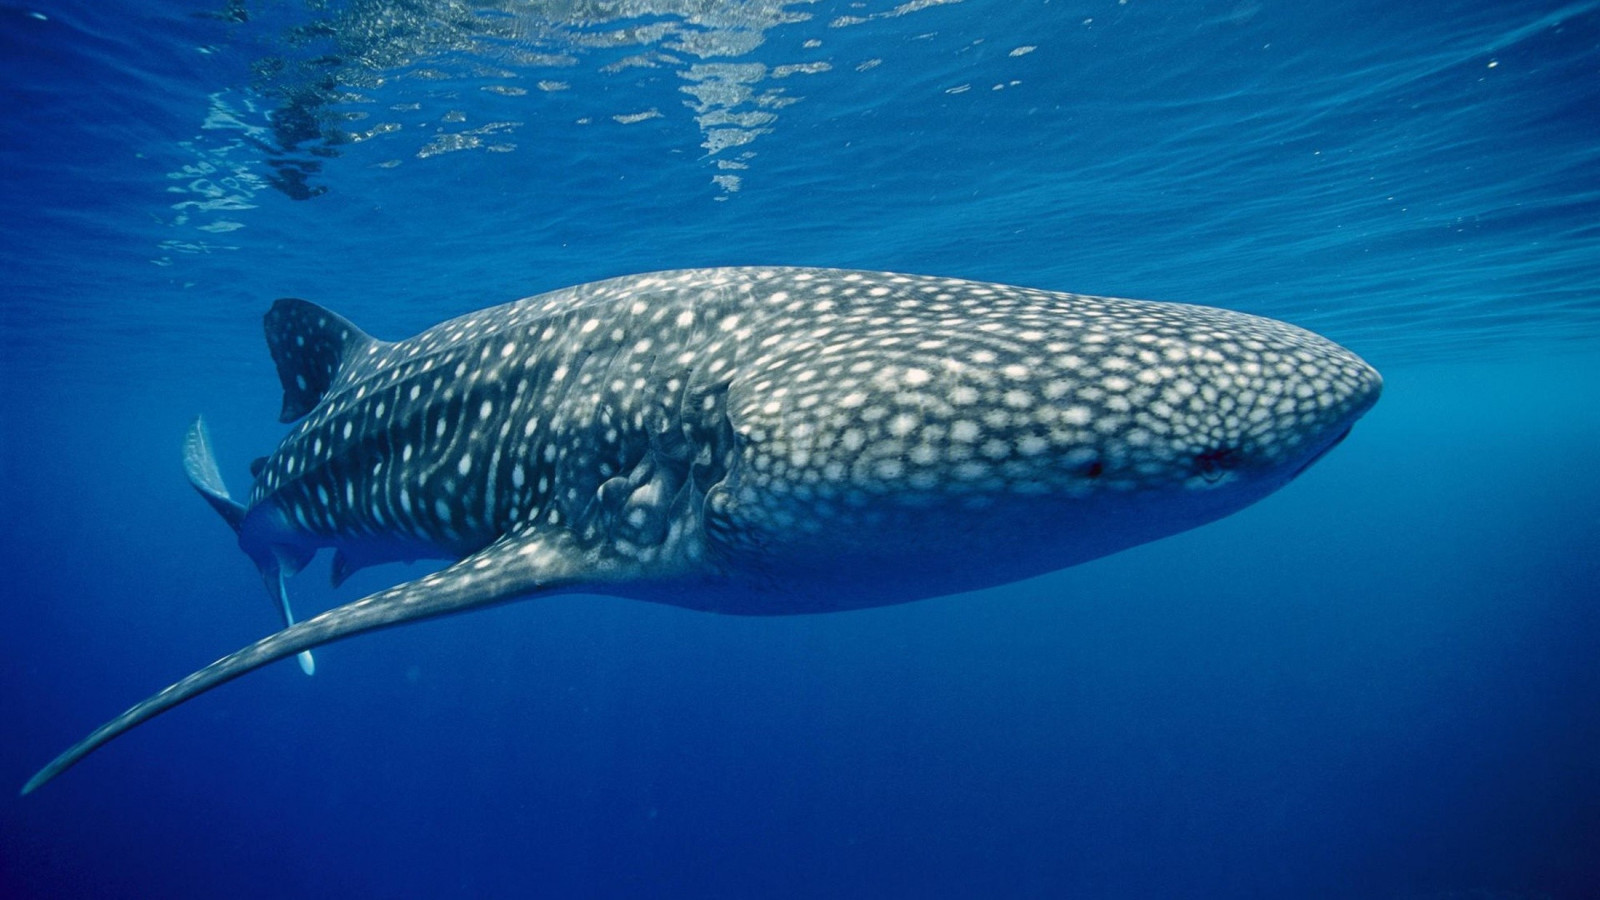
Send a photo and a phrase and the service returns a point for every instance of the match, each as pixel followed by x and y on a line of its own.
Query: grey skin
pixel 759 441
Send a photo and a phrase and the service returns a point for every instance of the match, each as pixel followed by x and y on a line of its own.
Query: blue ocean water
pixel 1380 682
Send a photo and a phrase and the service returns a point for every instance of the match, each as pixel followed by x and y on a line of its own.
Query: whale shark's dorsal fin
pixel 310 345
pixel 512 567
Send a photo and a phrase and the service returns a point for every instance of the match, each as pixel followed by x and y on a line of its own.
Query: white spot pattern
pixel 754 407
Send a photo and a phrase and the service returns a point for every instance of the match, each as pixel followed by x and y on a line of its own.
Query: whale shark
pixel 756 441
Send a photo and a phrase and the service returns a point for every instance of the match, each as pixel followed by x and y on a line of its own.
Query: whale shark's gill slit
pixel 712 432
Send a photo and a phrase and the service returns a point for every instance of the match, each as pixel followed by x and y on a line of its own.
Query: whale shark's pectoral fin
pixel 512 567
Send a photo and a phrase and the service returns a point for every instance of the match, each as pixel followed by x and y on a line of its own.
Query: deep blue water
pixel 1383 681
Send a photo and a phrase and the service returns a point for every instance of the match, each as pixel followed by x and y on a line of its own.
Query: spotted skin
pixel 762 441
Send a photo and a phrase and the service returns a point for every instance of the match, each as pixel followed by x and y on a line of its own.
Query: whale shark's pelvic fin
pixel 200 464
pixel 512 567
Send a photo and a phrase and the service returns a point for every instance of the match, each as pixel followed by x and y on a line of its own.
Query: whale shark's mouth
pixel 1321 453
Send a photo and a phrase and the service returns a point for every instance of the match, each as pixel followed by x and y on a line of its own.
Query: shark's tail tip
pixel 200 465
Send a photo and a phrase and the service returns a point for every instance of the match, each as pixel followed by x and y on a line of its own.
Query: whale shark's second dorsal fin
pixel 310 345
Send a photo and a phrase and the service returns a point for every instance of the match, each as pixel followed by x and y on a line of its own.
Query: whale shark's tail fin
pixel 200 464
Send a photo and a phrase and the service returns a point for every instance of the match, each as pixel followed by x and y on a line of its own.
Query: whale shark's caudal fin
pixel 200 464
pixel 307 664
pixel 512 567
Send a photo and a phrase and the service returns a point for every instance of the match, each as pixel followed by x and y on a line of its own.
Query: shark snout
pixel 1348 388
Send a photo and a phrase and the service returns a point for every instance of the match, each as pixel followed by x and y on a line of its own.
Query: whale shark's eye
pixel 1212 463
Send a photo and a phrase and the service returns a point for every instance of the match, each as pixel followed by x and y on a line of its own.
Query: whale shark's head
pixel 1021 431
pixel 1229 404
